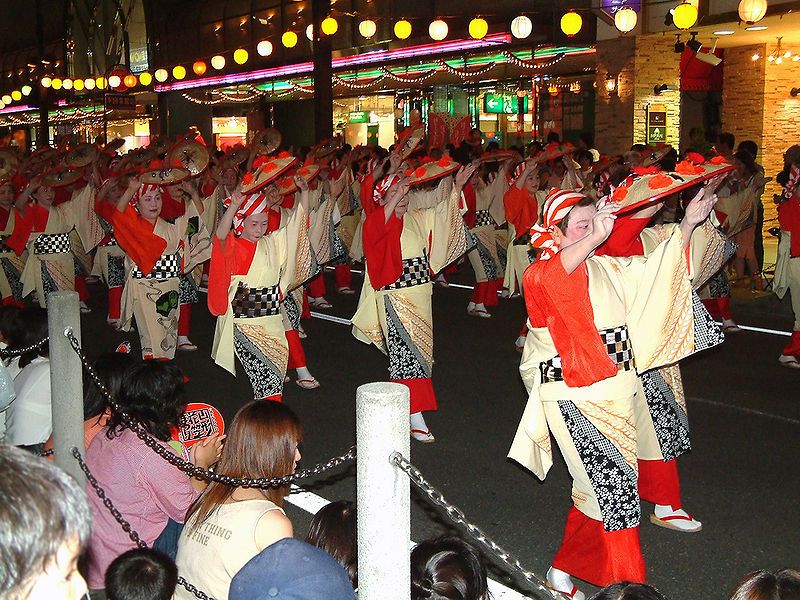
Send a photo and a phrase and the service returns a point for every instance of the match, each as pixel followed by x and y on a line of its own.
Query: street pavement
pixel 740 479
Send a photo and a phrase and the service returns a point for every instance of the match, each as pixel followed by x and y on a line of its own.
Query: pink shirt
pixel 145 488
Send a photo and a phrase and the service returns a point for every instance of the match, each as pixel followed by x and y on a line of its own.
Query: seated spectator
pixel 447 568
pixel 29 420
pixel 333 529
pixel 763 585
pixel 150 493
pixel 141 574
pixel 293 570
pixel 45 529
pixel 227 526
pixel 628 591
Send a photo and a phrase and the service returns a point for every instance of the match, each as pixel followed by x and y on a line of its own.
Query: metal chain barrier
pixel 184 465
pixel 6 353
pixel 457 516
pixel 126 526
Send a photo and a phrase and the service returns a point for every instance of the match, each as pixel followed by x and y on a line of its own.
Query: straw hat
pixel 267 170
pixel 286 185
pixel 554 151
pixel 164 175
pixel 192 155
pixel 327 147
pixel 81 156
pixel 500 155
pixel 266 141
pixel 432 170
pixel 409 139
pixel 61 177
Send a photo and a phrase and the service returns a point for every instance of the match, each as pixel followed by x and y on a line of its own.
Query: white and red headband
pixel 253 204
pixel 556 208
pixel 379 192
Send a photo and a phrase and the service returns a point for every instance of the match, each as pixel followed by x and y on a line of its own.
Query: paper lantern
pixel 77 84
pixel 161 75
pixel 114 81
pixel 289 39
pixel 367 28
pixel 240 56
pixel 67 84
pixel 402 29
pixel 329 26
pixel 26 90
pixel 101 83
pixel 179 72
pixel 218 62
pixel 2 104
pixel 16 95
pixel 625 19
pixel 752 11
pixel 478 28
pixel 145 78
pixel 6 99
pixel 521 27
pixel 310 32
pixel 438 30
pixel 130 80
pixel 685 15
pixel 46 82
pixel 571 23
pixel 89 83
pixel 264 48
pixel 199 68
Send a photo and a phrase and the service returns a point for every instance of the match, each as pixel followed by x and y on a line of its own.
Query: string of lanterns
pixel 529 65
pixel 466 73
pixel 405 78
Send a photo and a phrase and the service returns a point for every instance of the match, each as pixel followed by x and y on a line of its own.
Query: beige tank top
pixel 212 553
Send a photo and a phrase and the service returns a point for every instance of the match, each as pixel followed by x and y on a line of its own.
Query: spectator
pixel 333 529
pixel 586 142
pixel 45 529
pixel 724 146
pixel 698 141
pixel 447 568
pixel 553 138
pixel 29 420
pixel 752 148
pixel 228 525
pixel 293 570
pixel 152 495
pixel 763 585
pixel 141 574
pixel 628 591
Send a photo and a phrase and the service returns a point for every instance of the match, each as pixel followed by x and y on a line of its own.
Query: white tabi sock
pixel 562 582
pixel 418 421
pixel 304 373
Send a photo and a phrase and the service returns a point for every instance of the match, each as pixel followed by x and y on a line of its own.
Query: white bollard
pixel 384 492
pixel 66 381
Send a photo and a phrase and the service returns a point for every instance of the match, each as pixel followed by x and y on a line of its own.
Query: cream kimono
pixel 488 259
pixel 253 325
pixel 398 318
pixel 519 254
pixel 643 313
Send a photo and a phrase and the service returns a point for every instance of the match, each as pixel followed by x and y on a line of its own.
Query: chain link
pixel 126 526
pixel 6 353
pixel 457 516
pixel 184 465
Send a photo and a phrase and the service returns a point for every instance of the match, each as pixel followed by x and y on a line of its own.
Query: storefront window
pixel 365 120
pixel 229 131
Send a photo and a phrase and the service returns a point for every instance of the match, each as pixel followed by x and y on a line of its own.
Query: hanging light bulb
pixel 264 48
pixel 240 56
pixel 16 95
pixel 571 23
pixel 367 28
pixel 26 90
pixel 329 26
pixel 218 62
pixel 478 28
pixel 310 32
pixel 438 30
pixel 114 81
pixel 77 84
pixel 402 29
pixel 685 15
pixel 199 68
pixel 625 19
pixel 752 11
pixel 46 81
pixel 521 27
pixel 289 39
pixel 130 80
pixel 145 78
pixel 179 71
pixel 89 83
pixel 161 75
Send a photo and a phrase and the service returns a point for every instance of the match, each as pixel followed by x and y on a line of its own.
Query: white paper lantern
pixel 521 27
pixel 752 11
pixel 367 28
pixel 438 30
pixel 625 19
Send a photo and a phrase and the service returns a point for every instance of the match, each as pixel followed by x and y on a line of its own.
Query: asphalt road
pixel 740 480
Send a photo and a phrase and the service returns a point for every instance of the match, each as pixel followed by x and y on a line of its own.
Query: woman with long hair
pixel 229 525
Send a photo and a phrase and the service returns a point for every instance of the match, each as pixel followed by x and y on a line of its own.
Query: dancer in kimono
pixel 403 247
pixel 250 274
pixel 594 321
pixel 12 265
pixel 787 270
pixel 109 259
pixel 157 254
pixel 521 202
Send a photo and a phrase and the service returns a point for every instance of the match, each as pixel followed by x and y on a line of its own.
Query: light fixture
pixel 552 89
pixel 723 32
pixel 402 29
pixel 694 44
pixel 114 81
pixel 161 75
pixel 179 72
pixel 756 56
pixel 329 26
pixel 264 48
pixel 240 56
pixel 679 45
pixel 101 83
pixel 310 32
pixel 478 28
pixel 367 28
pixel 575 87
pixel 794 92
pixel 752 11
pixel 218 62
pixel 684 15
pixel 130 80
pixel 46 81
pixel 571 23
pixel 89 83
pixel 612 84
pixel 625 19
pixel 145 78
pixel 199 68
pixel 6 99
pixel 521 27
pixel 26 90
pixel 756 28
pixel 67 84
pixel 660 89
pixel 16 95
pixel 289 39
pixel 438 30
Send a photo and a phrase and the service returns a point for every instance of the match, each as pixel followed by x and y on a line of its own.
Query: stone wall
pixel 742 100
pixel 657 63
pixel 614 112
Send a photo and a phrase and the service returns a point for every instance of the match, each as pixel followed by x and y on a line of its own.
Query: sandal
pixel 424 436
pixel 670 522
pixel 320 303
pixel 187 347
pixel 789 361
pixel 346 291
pixel 574 593
pixel 308 384
pixel 479 312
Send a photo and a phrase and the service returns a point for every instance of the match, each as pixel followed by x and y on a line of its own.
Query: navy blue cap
pixel 291 570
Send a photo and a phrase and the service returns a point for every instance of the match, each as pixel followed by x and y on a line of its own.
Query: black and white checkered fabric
pixel 167 267
pixel 618 346
pixel 483 218
pixel 3 247
pixel 415 272
pixel 249 303
pixel 56 243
